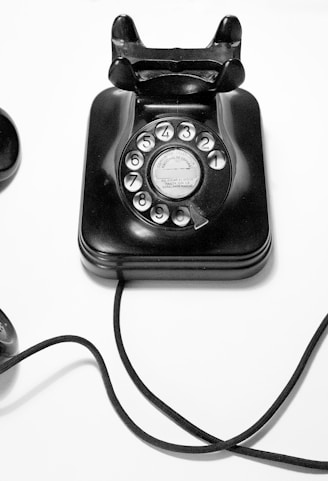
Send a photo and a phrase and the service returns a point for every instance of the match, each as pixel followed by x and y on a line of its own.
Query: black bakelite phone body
pixel 174 183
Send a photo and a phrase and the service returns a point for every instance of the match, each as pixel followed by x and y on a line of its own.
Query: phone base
pixel 119 243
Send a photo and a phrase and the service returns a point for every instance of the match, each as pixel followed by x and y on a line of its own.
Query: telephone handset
pixel 9 149
pixel 174 180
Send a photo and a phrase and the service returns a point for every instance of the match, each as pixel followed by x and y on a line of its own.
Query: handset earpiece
pixel 8 338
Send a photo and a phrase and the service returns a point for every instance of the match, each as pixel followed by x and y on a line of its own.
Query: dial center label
pixel 175 173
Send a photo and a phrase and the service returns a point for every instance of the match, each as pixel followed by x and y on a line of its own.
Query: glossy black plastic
pixel 9 147
pixel 117 243
pixel 8 338
pixel 171 72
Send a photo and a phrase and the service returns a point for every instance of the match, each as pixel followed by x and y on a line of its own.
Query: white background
pixel 217 352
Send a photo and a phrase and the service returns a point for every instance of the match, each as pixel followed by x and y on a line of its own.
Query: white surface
pixel 217 352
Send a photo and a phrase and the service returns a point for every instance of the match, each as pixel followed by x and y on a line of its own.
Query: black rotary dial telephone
pixel 174 180
pixel 174 188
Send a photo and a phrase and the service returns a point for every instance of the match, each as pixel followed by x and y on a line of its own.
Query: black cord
pixel 214 444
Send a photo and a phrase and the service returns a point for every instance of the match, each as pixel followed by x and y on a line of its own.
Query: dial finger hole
pixel 160 213
pixel 133 181
pixel 186 131
pixel 217 159
pixel 181 216
pixel 164 131
pixel 134 160
pixel 205 141
pixel 142 201
pixel 146 142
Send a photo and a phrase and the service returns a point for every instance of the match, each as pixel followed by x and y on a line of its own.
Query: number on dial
pixel 164 131
pixel 181 216
pixel 146 142
pixel 134 160
pixel 186 131
pixel 142 201
pixel 133 181
pixel 160 213
pixel 216 160
pixel 205 141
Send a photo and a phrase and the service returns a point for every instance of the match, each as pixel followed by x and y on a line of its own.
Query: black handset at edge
pixel 174 183
pixel 9 148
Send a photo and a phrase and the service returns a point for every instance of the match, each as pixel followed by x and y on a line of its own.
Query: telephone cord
pixel 214 444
